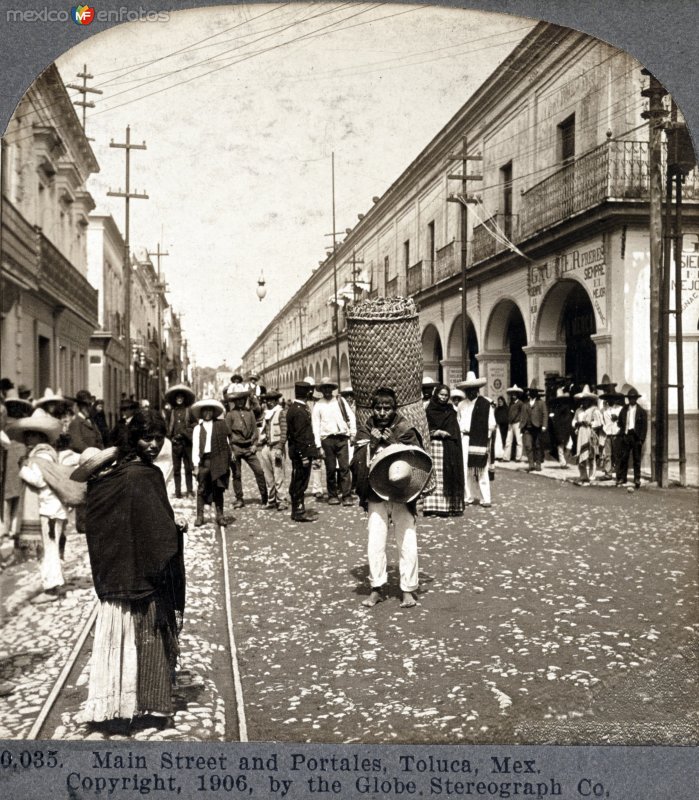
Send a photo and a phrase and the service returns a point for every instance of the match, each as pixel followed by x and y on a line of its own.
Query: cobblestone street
pixel 561 614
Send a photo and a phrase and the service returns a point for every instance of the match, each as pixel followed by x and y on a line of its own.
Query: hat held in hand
pixel 399 472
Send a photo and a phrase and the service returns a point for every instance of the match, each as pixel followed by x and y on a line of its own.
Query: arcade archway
pixel 507 332
pixel 567 317
pixel 455 344
pixel 432 353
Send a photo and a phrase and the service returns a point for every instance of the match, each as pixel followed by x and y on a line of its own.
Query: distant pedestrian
pixel 244 437
pixel 633 427
pixel 128 406
pixel 477 424
pixel 532 423
pixel 455 397
pixel 447 499
pixel 561 425
pixel 272 451
pixel 302 450
pixel 392 469
pixel 180 424
pixel 612 405
pixel 514 433
pixel 428 384
pixel 502 415
pixel 99 418
pixel 334 426
pixel 211 458
pixel 316 482
pixel 82 430
pixel 587 425
pixel 136 555
pixel 15 453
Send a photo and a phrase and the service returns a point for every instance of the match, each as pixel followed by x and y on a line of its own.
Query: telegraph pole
pixel 337 299
pixel 658 298
pixel 160 287
pixel 355 273
pixel 84 89
pixel 464 199
pixel 128 195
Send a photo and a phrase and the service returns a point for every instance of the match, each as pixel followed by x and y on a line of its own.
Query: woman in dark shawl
pixel 447 500
pixel 136 554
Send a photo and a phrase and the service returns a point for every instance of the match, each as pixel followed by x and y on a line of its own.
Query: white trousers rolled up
pixel 50 566
pixel 471 482
pixel 381 515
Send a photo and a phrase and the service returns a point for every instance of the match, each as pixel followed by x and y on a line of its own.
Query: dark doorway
pixel 43 363
pixel 472 348
pixel 516 340
pixel 578 327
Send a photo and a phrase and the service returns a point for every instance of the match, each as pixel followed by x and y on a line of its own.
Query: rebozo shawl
pixel 442 417
pixel 135 547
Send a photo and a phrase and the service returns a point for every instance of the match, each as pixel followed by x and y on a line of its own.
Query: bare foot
pixel 374 598
pixel 408 600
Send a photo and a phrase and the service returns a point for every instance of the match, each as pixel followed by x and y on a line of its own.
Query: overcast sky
pixel 241 108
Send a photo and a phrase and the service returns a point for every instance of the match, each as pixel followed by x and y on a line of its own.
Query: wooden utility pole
pixel 464 199
pixel 336 304
pixel 84 90
pixel 160 289
pixel 128 195
pixel 355 273
pixel 658 299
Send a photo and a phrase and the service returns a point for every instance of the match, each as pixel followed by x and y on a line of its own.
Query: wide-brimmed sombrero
pixel 39 422
pixel 471 382
pixel 271 394
pixel 92 460
pixel 457 393
pixel 180 388
pixel 586 394
pixel 400 472
pixel 16 406
pixel 49 397
pixel 347 390
pixel 327 382
pixel 514 389
pixel 207 402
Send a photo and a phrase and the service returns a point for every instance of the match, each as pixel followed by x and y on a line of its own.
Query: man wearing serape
pixel 211 457
pixel 477 424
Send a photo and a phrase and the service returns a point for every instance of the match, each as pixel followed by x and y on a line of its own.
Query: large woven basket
pixel 385 350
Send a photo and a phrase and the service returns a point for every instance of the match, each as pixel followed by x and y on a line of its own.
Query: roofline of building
pixel 531 48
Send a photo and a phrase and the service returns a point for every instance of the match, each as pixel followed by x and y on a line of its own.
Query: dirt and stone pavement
pixel 561 614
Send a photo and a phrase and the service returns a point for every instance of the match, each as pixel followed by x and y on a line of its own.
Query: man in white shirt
pixel 334 426
pixel 477 423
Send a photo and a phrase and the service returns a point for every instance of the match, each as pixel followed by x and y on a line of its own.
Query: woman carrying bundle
pixel 447 500
pixel 136 554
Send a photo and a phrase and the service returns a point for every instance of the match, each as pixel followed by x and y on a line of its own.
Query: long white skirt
pixel 113 665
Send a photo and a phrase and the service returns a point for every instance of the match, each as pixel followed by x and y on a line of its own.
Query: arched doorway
pixel 567 317
pixel 455 345
pixel 344 371
pixel 432 353
pixel 507 333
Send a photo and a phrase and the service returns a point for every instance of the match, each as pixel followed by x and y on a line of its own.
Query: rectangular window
pixel 566 139
pixel 406 253
pixel 506 181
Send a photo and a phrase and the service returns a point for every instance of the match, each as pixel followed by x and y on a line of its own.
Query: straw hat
pixel 327 382
pixel 458 394
pixel 586 394
pixel 400 472
pixel 49 397
pixel 347 390
pixel 272 394
pixel 207 402
pixel 632 392
pixel 237 395
pixel 427 381
pixel 309 379
pixel 92 459
pixel 39 422
pixel 180 388
pixel 471 382
pixel 514 389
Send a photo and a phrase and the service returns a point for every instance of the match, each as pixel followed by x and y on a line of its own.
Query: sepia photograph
pixel 349 360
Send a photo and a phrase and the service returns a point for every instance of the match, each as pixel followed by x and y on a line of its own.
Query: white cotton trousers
pixel 513 434
pixel 381 515
pixel 471 482
pixel 50 566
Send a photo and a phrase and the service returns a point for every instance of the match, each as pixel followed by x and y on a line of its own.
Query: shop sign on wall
pixel 689 277
pixel 585 263
pixel 497 379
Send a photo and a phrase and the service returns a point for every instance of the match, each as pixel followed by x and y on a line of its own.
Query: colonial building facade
pixel 557 237
pixel 49 309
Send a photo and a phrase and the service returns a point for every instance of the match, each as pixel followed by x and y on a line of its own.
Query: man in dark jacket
pixel 82 430
pixel 533 424
pixel 302 450
pixel 211 457
pixel 179 430
pixel 384 427
pixel 633 427
pixel 244 436
pixel 514 432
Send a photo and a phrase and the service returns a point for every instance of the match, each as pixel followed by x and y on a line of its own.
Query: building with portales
pixel 557 255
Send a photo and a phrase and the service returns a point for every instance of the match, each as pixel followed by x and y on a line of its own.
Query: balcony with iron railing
pixel 445 264
pixel 20 245
pixel 616 170
pixel 484 243
pixel 392 287
pixel 414 278
pixel 64 283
